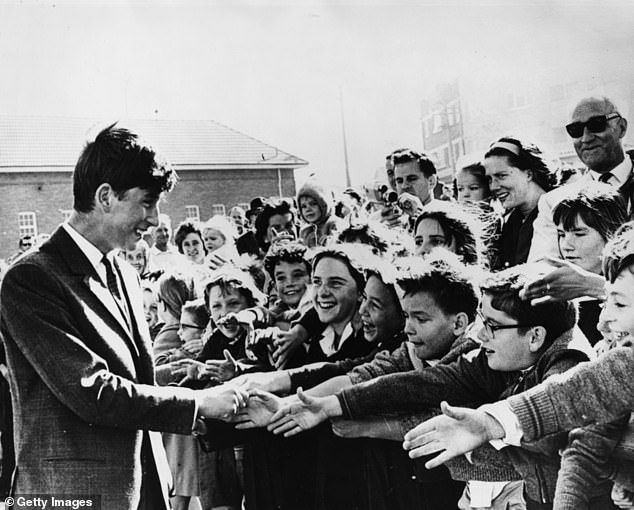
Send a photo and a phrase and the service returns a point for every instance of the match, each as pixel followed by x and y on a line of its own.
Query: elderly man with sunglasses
pixel 597 130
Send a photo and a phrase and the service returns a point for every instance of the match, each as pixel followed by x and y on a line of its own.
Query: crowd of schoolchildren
pixel 350 318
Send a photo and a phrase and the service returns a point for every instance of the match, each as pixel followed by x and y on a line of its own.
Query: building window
pixel 218 209
pixel 192 212
pixel 456 150
pixel 445 156
pixel 437 120
pixel 66 214
pixel 27 224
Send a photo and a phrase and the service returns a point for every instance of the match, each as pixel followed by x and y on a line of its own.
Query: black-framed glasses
pixel 596 124
pixel 191 326
pixel 490 329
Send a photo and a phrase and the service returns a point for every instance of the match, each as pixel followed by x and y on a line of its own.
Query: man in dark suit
pixel 78 347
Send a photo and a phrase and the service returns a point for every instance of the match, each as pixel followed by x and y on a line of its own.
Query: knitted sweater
pixel 471 383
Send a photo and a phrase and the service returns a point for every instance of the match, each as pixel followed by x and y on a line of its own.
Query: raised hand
pixel 223 370
pixel 455 432
pixel 285 343
pixel 622 497
pixel 261 406
pixel 193 346
pixel 410 204
pixel 305 414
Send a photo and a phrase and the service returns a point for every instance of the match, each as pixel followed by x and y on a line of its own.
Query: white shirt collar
pixel 620 172
pixel 93 254
pixel 327 342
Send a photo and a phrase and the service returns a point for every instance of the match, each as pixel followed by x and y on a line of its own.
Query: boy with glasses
pixel 522 345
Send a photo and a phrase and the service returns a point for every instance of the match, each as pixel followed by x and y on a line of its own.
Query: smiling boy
pixel 522 345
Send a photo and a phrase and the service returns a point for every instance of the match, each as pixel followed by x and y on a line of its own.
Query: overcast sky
pixel 276 71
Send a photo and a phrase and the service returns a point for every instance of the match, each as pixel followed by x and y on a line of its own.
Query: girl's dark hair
pixel 459 225
pixel 600 206
pixel 352 255
pixel 526 157
pixel 478 171
pixel 292 252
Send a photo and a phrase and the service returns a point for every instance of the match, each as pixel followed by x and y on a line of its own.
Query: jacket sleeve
pixel 596 392
pixel 49 346
pixel 383 363
pixel 586 462
pixel 465 382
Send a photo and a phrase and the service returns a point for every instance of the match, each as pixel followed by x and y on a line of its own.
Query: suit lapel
pixel 79 266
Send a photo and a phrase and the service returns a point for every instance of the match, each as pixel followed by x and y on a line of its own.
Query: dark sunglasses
pixel 596 124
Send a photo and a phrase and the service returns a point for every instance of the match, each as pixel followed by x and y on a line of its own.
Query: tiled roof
pixel 49 143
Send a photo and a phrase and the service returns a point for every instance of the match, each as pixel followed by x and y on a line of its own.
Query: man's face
pixel 336 294
pixel 507 350
pixel 291 281
pixel 26 244
pixel 279 223
pixel 161 235
pixel 129 217
pixel 409 179
pixel 603 151
pixel 380 313
pixel 428 328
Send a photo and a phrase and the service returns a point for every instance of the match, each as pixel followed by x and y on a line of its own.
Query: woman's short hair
pixel 183 230
pixel 527 157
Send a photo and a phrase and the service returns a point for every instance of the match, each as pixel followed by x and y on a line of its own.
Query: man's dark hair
pixel 24 239
pixel 118 158
pixel 445 281
pixel 271 208
pixel 425 164
pixel 292 252
pixel 504 287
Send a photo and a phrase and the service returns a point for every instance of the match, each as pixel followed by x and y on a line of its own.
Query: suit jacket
pixel 82 382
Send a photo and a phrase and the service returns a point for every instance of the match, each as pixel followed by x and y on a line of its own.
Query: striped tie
pixel 111 279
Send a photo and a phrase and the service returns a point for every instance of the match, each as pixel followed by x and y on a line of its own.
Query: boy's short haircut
pixel 618 253
pixel 352 255
pixel 445 279
pixel 292 252
pixel 425 165
pixel 599 205
pixel 117 157
pixel 199 310
pixel 174 289
pixel 371 234
pixel 230 278
pixel 504 287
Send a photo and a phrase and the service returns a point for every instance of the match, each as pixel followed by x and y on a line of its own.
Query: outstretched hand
pixel 222 402
pixel 285 343
pixel 566 281
pixel 223 370
pixel 455 432
pixel 304 414
pixel 261 406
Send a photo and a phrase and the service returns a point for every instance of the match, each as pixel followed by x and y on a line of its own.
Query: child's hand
pixel 215 261
pixel 223 370
pixel 286 343
pixel 194 346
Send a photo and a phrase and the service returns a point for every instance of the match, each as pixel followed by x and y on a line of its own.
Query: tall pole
pixel 345 144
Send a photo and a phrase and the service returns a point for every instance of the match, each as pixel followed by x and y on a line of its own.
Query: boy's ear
pixel 537 339
pixel 460 323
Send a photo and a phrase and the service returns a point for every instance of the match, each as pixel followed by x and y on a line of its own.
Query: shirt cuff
pixel 503 413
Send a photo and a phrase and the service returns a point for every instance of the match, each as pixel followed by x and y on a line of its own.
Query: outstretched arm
pixel 455 432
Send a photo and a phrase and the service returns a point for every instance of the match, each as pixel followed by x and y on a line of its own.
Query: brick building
pixel 218 168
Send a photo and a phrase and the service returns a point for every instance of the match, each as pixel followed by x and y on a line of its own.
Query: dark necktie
pixel 606 177
pixel 111 279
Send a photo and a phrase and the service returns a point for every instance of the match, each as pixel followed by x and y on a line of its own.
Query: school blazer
pixel 82 382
